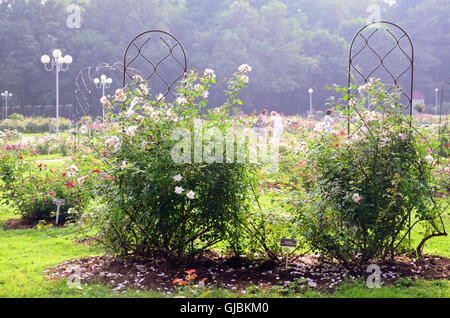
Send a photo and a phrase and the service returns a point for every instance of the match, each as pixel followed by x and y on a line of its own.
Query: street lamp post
pixel 6 95
pixel 310 91
pixel 104 82
pixel 57 62
pixel 436 102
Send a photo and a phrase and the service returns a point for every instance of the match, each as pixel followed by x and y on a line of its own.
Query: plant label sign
pixel 288 243
pixel 58 203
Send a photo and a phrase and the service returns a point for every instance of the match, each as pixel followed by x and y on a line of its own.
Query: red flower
pixel 52 192
pixel 70 184
pixel 63 174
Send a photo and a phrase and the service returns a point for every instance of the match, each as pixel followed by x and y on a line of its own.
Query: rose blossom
pixel 244 78
pixel 179 190
pixel 363 88
pixel 244 68
pixel 131 131
pixel 209 73
pixel 120 95
pixel 181 100
pixel 81 179
pixel 160 97
pixel 138 78
pixel 356 198
pixel 190 195
pixel 70 184
pixel 143 88
pixel 178 178
pixel 429 159
pixel 104 100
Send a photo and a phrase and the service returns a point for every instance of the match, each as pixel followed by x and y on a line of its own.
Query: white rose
pixel 244 68
pixel 178 178
pixel 179 190
pixel 356 198
pixel 190 195
pixel 131 131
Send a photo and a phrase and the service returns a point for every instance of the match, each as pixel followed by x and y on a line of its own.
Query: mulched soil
pixel 19 224
pixel 23 224
pixel 236 274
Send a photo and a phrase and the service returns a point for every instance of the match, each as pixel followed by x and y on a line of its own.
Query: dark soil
pixel 19 224
pixel 235 274
pixel 23 224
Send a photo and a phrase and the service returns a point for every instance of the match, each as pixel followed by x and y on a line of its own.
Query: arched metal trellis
pixel 84 104
pixel 394 66
pixel 368 52
pixel 84 87
pixel 365 46
pixel 160 57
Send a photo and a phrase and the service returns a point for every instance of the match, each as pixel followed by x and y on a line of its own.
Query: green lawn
pixel 44 157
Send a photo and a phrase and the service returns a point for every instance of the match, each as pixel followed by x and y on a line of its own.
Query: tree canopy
pixel 292 45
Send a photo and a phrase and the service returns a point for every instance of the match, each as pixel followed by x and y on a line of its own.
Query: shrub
pixel 153 204
pixel 41 145
pixel 368 184
pixel 17 117
pixel 34 187
pixel 9 135
pixel 31 125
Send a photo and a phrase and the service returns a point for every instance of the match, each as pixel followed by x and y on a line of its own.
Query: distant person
pixel 329 121
pixel 260 125
pixel 277 125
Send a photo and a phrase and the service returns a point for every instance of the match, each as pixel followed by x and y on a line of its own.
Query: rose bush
pixel 41 145
pixel 34 124
pixel 368 184
pixel 34 187
pixel 154 203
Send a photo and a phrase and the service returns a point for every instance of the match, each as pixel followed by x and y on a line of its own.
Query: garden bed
pixel 307 272
pixel 24 224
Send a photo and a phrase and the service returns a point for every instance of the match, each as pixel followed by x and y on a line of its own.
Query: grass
pixel 437 245
pixel 44 157
pixel 61 134
pixel 25 254
pixel 418 289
